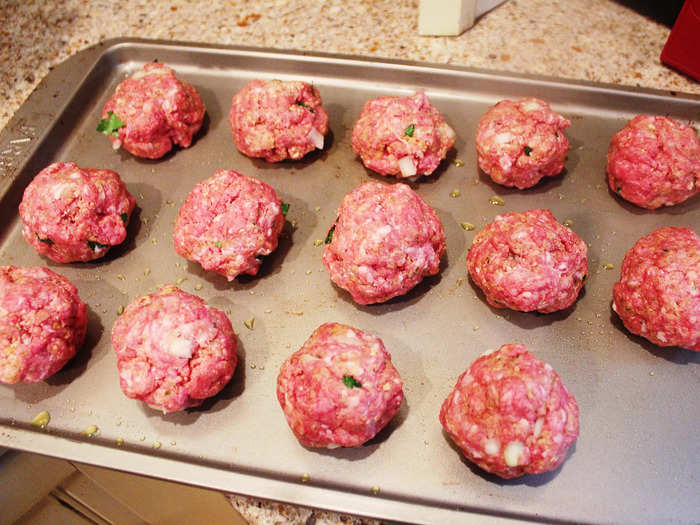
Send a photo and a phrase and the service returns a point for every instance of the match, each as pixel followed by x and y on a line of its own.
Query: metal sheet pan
pixel 637 456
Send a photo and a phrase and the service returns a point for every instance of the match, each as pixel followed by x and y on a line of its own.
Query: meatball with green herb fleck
pixel 152 111
pixel 73 214
pixel 173 350
pixel 518 142
pixel 340 389
pixel 42 323
pixel 278 120
pixel 528 261
pixel 405 137
pixel 228 223
pixel 385 240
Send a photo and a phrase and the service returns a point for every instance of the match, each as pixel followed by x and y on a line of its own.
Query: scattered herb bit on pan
pixel 329 237
pixel 455 193
pixel 527 150
pixel 249 323
pixel 305 105
pixel 608 266
pixel 468 226
pixel 45 241
pixel 351 382
pixel 41 420
pixel 285 208
pixel 110 125
pixel 125 217
pixel 409 130
pixel 459 163
pixel 94 245
pixel 568 223
pixel 496 201
pixel 155 60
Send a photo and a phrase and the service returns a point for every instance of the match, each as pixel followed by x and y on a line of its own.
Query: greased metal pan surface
pixel 637 456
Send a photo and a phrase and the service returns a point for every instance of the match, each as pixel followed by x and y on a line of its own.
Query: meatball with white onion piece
pixel 277 120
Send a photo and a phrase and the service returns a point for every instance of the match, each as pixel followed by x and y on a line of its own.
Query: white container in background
pixel 451 17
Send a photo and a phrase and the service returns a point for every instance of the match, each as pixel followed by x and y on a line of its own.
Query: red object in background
pixel 682 49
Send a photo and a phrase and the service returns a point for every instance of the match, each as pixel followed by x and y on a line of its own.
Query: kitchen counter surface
pixel 593 40
pixel 598 40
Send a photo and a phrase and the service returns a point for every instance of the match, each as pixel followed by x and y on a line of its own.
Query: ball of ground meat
pixel 384 241
pixel 151 111
pixel 402 136
pixel 654 161
pixel 518 142
pixel 42 323
pixel 510 414
pixel 75 214
pixel 278 120
pixel 658 295
pixel 340 388
pixel 528 261
pixel 228 223
pixel 173 350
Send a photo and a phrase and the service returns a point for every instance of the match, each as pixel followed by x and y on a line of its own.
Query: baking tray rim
pixel 224 479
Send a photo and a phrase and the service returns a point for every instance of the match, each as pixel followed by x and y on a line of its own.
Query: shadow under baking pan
pixel 368 448
pixel 298 164
pixel 531 480
pixel 673 354
pixel 400 302
pixel 528 320
pixel 36 392
pixel 416 181
pixel 684 208
pixel 233 389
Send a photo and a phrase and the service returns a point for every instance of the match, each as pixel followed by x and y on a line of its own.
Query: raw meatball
pixel 173 350
pixel 228 223
pixel 42 323
pixel 156 110
pixel 658 295
pixel 340 388
pixel 510 414
pixel 402 136
pixel 75 214
pixel 278 120
pixel 520 141
pixel 654 161
pixel 528 261
pixel 384 241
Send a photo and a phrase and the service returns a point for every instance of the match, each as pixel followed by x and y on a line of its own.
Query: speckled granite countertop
pixel 596 40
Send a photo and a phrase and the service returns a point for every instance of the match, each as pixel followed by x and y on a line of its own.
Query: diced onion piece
pixel 512 453
pixel 407 166
pixel 116 144
pixel 538 427
pixel 316 138
pixel 181 347
pixel 492 446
